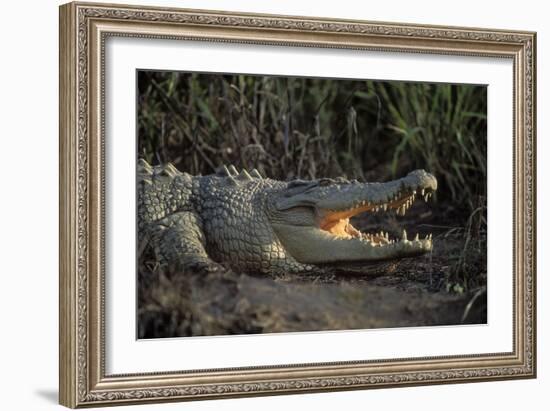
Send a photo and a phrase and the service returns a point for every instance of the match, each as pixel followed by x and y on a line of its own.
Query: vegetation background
pixel 293 127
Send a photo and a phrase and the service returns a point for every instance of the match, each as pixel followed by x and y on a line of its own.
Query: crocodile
pixel 252 224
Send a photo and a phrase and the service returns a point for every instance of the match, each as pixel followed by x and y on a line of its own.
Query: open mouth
pixel 313 220
pixel 337 222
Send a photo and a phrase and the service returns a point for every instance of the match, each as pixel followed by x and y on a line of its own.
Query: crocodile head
pixel 312 219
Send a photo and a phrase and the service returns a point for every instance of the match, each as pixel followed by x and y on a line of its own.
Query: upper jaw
pixel 343 196
pixel 399 194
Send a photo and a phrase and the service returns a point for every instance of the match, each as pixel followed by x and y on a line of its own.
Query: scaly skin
pixel 258 225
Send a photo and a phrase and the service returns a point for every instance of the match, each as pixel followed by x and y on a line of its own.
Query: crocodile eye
pixel 325 182
pixel 298 183
pixel 299 186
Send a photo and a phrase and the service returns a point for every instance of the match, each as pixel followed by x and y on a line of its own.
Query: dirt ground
pixel 424 291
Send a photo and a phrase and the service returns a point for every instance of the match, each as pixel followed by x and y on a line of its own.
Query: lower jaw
pixel 309 245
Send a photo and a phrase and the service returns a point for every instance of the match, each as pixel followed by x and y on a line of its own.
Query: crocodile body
pixel 259 225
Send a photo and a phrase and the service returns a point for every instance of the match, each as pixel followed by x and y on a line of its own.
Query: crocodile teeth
pixel 404 236
pixel 426 197
pixel 385 206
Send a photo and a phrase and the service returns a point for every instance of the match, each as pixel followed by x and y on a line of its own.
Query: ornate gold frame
pixel 83 30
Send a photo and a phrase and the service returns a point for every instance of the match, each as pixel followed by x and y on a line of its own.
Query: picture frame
pixel 84 30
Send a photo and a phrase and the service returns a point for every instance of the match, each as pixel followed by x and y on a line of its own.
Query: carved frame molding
pixel 83 30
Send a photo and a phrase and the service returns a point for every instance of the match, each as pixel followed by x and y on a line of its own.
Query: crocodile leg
pixel 180 242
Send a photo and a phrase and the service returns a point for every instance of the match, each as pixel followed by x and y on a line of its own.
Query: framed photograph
pixel 260 204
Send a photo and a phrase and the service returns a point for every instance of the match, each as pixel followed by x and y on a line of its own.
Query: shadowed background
pixel 307 128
